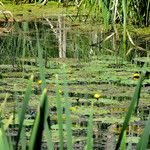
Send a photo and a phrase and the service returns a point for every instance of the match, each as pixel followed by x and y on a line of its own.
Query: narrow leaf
pixel 142 145
pixel 24 108
pixel 36 135
pixel 59 115
pixel 131 109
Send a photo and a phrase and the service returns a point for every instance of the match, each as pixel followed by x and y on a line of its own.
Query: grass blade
pixel 5 142
pixel 131 108
pixel 48 137
pixel 23 139
pixel 36 135
pixel 40 60
pixel 59 115
pixel 90 133
pixel 142 145
pixel 24 107
pixel 68 114
pixel 123 142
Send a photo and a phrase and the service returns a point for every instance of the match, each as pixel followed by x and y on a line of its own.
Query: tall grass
pixel 40 59
pixel 143 142
pixel 24 108
pixel 67 112
pixel 131 109
pixel 89 142
pixel 105 6
pixel 59 114
pixel 40 120
pixel 124 5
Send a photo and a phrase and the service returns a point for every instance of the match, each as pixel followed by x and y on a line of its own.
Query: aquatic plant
pixel 39 82
pixel 97 96
pixel 100 74
pixel 131 109
pixel 137 11
pixel 136 76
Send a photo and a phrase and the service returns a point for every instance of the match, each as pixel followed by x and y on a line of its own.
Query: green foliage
pixel 59 114
pixel 89 143
pixel 131 109
pixel 137 11
pixel 143 142
pixel 23 110
pixel 123 142
pixel 67 112
pixel 105 6
pixel 41 118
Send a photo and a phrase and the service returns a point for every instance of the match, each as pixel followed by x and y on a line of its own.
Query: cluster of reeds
pixel 117 11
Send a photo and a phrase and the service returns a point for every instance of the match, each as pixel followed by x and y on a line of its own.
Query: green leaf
pixel 123 142
pixel 142 145
pixel 89 142
pixel 67 112
pixel 48 137
pixel 5 142
pixel 24 108
pixel 41 118
pixel 131 109
pixel 59 115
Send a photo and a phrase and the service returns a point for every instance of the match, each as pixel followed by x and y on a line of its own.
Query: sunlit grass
pixel 31 11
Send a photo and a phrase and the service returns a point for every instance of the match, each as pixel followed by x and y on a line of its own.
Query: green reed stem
pixel 24 108
pixel 68 114
pixel 59 115
pixel 131 109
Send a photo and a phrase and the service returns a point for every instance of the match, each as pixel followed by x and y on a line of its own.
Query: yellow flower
pixel 97 96
pixel 73 109
pixel 39 82
pixel 60 91
pixel 136 76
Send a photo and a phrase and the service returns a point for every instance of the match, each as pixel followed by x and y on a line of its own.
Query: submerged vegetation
pixel 74 74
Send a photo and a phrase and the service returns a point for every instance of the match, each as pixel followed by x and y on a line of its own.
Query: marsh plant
pixel 33 44
pixel 42 126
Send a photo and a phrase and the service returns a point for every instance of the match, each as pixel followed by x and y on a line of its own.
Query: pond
pixel 95 63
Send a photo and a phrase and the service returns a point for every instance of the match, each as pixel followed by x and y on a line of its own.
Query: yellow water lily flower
pixel 97 96
pixel 60 91
pixel 39 82
pixel 136 76
pixel 73 109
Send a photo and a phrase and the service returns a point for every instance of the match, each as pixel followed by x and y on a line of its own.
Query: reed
pixel 124 6
pixel 59 114
pixel 23 110
pixel 105 6
pixel 131 109
pixel 40 120
pixel 143 142
pixel 67 112
pixel 89 142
